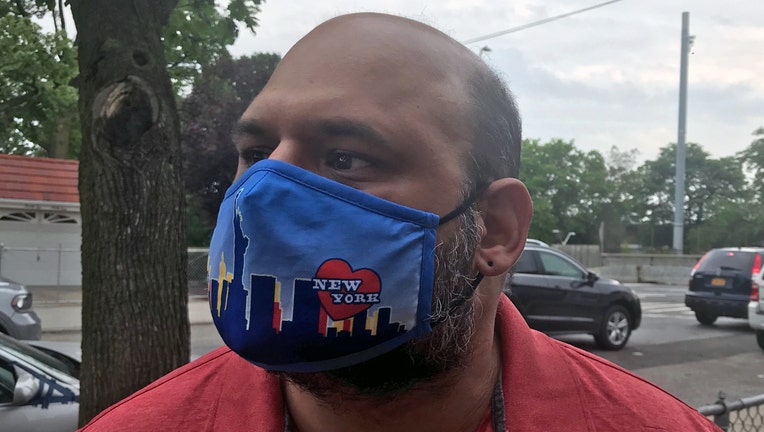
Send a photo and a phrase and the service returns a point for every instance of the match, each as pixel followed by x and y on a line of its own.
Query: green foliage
pixel 569 188
pixel 708 183
pixel 37 105
pixel 199 32
pixel 576 191
pixel 734 224
pixel 752 158
pixel 26 8
pixel 208 115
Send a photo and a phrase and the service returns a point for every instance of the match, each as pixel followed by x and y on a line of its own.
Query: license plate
pixel 718 282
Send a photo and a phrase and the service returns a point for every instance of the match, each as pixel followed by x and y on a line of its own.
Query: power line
pixel 536 23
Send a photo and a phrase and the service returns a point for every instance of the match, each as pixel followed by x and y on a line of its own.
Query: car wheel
pixel 615 328
pixel 760 338
pixel 705 318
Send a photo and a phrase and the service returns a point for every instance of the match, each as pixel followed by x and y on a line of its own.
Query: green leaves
pixel 575 191
pixel 38 107
pixel 199 32
pixel 752 158
pixel 568 186
pixel 37 104
pixel 208 115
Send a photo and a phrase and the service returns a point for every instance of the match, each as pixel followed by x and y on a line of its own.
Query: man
pixel 356 270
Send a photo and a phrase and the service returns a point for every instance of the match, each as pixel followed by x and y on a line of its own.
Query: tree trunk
pixel 135 324
pixel 58 141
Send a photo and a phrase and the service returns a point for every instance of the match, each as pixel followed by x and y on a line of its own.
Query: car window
pixel 7 382
pixel 526 263
pixel 555 265
pixel 728 260
pixel 35 358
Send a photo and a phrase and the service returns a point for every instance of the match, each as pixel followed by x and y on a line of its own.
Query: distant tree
pixel 619 163
pixel 710 184
pixel 734 224
pixel 569 188
pixel 616 212
pixel 208 116
pixel 38 106
pixel 38 96
pixel 752 158
pixel 199 33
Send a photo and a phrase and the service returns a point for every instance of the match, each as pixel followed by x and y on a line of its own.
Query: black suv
pixel 721 281
pixel 557 295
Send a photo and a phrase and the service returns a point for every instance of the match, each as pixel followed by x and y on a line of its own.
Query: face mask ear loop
pixel 471 198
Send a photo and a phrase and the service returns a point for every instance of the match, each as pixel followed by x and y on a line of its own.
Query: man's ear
pixel 507 210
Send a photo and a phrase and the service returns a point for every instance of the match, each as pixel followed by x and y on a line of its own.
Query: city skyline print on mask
pixel 294 289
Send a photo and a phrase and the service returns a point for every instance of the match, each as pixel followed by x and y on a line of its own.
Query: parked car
pixel 721 283
pixel 756 308
pixel 68 353
pixel 556 295
pixel 36 391
pixel 17 318
pixel 535 242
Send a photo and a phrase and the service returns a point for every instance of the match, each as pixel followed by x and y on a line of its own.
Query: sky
pixel 602 78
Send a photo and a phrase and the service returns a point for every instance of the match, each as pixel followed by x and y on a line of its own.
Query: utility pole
pixel 680 142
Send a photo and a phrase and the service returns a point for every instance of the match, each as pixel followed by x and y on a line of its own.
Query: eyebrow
pixel 332 127
pixel 249 128
pixel 344 127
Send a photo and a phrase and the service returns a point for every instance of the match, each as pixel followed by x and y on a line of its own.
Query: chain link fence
pixel 197 271
pixel 742 415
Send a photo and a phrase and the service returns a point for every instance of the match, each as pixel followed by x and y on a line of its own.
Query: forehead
pixel 403 78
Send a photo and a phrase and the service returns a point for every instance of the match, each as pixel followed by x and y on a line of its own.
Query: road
pixel 670 349
pixel 691 361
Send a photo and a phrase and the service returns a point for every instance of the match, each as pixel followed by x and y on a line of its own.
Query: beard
pixel 446 348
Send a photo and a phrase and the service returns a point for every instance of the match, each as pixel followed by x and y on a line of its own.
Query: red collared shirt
pixel 547 386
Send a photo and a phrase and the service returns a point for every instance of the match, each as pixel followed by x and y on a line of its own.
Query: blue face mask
pixel 307 274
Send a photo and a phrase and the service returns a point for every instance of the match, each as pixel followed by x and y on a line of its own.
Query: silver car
pixel 37 392
pixel 16 315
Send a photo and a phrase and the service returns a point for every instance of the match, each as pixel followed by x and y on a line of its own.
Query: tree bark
pixel 135 324
pixel 58 141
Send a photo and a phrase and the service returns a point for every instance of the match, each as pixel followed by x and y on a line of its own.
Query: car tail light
pixel 22 302
pixel 756 265
pixel 755 269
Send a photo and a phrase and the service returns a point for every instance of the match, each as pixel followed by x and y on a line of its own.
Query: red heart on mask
pixel 343 292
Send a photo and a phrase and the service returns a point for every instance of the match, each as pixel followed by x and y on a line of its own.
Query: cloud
pixel 605 77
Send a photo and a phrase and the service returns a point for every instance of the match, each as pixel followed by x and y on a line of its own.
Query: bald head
pixel 400 41
pixel 391 47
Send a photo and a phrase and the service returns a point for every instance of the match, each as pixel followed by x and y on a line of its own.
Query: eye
pixel 343 161
pixel 252 155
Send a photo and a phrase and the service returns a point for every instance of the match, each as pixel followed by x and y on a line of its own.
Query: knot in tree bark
pixel 123 112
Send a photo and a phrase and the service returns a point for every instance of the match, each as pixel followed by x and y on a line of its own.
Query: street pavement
pixel 60 310
pixel 670 349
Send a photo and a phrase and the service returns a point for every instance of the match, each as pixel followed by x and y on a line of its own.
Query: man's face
pixel 378 117
pixel 386 118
